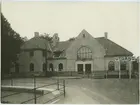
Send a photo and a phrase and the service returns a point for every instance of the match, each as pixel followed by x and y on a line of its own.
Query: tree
pixel 10 45
pixel 47 37
pixel 72 39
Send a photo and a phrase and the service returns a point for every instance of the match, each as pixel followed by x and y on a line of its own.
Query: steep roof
pixel 63 45
pixel 113 49
pixel 35 43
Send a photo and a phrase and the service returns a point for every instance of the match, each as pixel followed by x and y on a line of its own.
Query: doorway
pixel 87 68
pixel 80 68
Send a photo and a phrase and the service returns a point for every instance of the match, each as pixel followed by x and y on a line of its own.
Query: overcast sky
pixel 68 19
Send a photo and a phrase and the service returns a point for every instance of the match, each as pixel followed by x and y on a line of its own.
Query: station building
pixel 82 54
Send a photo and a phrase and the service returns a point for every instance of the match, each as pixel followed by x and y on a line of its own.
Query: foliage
pixel 10 45
pixel 47 37
pixel 71 39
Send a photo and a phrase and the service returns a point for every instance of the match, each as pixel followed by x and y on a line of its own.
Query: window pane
pixel 111 66
pixel 84 53
pixel 31 67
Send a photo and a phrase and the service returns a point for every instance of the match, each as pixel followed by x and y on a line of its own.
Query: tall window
pixel 31 67
pixel 44 66
pixel 84 53
pixel 31 53
pixel 60 66
pixel 111 66
pixel 51 66
pixel 123 65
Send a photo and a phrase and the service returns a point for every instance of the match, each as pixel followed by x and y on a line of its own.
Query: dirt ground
pixel 90 91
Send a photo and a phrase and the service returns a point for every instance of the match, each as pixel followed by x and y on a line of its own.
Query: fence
pixel 96 73
pixel 40 94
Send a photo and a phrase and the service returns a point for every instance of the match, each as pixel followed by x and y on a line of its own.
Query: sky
pixel 68 19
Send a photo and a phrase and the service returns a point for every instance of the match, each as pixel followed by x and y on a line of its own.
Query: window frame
pixel 60 66
pixel 123 64
pixel 44 66
pixel 84 53
pixel 111 66
pixel 31 67
pixel 51 67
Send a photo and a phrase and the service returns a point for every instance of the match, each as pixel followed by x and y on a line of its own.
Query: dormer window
pixel 83 35
pixel 57 54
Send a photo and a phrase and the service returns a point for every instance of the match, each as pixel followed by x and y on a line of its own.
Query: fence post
pixel 64 87
pixel 57 84
pixel 11 80
pixel 35 90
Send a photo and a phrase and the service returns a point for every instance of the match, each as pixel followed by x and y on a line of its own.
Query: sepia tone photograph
pixel 70 52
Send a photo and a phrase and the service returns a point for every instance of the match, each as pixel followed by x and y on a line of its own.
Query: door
pixel 80 68
pixel 87 68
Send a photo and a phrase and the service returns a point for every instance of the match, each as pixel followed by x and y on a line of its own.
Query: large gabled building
pixel 83 54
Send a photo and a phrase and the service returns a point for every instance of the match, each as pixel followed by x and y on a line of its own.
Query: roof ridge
pixel 100 37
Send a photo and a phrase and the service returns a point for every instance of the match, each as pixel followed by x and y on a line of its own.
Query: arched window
pixel 111 66
pixel 31 67
pixel 84 53
pixel 44 66
pixel 123 65
pixel 51 66
pixel 17 68
pixel 60 66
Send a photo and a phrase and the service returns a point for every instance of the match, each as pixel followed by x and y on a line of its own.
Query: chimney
pixel 55 39
pixel 36 34
pixel 106 35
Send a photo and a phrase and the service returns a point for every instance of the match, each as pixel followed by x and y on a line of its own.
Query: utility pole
pixel 118 64
pixel 46 62
pixel 119 69
pixel 130 67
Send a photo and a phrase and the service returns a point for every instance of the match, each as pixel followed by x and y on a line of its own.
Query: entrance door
pixel 87 68
pixel 80 68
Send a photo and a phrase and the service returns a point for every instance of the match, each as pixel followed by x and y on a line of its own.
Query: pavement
pixel 88 91
pixel 92 91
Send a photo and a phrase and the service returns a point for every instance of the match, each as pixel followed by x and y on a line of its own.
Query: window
pixel 17 68
pixel 51 67
pixel 84 53
pixel 44 66
pixel 123 65
pixel 31 67
pixel 60 66
pixel 44 53
pixel 83 35
pixel 111 66
pixel 57 54
pixel 31 53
